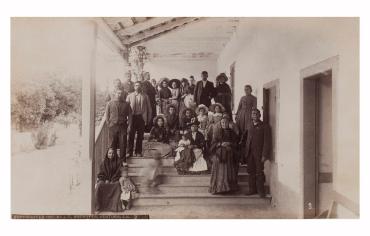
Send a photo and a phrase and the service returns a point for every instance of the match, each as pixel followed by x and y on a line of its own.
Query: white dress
pixel 181 146
pixel 200 164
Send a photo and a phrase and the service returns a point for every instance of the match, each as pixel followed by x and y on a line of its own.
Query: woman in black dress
pixel 223 93
pixel 159 131
pixel 107 188
pixel 224 160
pixel 164 95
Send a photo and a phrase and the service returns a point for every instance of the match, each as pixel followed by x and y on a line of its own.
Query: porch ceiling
pixel 175 38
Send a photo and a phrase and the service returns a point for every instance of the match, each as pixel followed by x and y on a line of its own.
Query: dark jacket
pixel 204 95
pixel 258 140
pixel 117 113
pixel 199 139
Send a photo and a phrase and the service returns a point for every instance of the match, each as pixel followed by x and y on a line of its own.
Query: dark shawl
pixel 165 93
pixel 159 134
pixel 110 169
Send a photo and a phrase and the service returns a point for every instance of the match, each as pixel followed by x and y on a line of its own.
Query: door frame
pixel 274 83
pixel 332 64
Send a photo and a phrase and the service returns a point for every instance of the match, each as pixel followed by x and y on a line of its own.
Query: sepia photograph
pixel 185 117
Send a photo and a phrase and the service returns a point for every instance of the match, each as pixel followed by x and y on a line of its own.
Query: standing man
pixel 128 85
pixel 118 113
pixel 117 85
pixel 149 90
pixel 204 91
pixel 257 149
pixel 141 115
pixel 192 85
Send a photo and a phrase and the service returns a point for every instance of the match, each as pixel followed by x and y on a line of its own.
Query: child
pixel 215 117
pixel 152 172
pixel 183 144
pixel 202 112
pixel 128 189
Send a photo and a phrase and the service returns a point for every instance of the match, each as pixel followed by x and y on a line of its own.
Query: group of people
pixel 206 136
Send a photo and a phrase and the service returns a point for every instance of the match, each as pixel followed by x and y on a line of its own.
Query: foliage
pixel 55 97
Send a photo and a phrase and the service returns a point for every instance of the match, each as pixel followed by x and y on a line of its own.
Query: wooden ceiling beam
pixel 164 28
pixel 142 26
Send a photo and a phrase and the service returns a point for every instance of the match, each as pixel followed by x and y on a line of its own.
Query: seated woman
pixel 191 159
pixel 172 123
pixel 159 131
pixel 107 188
pixel 187 118
pixel 224 162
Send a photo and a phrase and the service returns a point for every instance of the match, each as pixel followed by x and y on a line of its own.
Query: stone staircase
pixel 180 190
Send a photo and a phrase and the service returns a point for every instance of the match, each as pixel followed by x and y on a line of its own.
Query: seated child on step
pixel 128 189
pixel 183 144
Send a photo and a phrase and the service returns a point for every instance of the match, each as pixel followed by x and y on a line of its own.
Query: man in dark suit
pixel 257 151
pixel 192 85
pixel 204 91
pixel 149 90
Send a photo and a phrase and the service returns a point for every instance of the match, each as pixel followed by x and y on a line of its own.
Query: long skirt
pixel 223 172
pixel 190 161
pixel 107 197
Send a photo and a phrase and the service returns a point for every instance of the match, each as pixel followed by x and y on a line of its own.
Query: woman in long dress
pixel 224 161
pixel 243 114
pixel 184 92
pixel 223 93
pixel 164 95
pixel 175 92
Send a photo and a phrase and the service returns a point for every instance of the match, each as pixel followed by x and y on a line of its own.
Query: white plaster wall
pixel 181 68
pixel 266 49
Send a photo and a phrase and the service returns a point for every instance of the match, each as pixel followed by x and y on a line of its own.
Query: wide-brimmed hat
pixel 161 116
pixel 201 106
pixel 176 81
pixel 213 106
pixel 162 80
pixel 222 75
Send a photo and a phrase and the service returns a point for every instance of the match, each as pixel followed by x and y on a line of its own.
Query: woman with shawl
pixel 224 161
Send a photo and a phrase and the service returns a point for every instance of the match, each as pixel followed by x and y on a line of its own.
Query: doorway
pixel 270 117
pixel 317 143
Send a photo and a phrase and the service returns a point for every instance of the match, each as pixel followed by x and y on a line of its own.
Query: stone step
pixel 168 169
pixel 183 179
pixel 144 161
pixel 167 199
pixel 188 188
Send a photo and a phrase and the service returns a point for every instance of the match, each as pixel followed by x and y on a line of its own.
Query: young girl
pixel 183 144
pixel 202 112
pixel 159 132
pixel 215 117
pixel 128 189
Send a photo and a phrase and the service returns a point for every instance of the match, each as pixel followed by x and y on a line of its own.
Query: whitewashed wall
pixel 268 49
pixel 181 68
